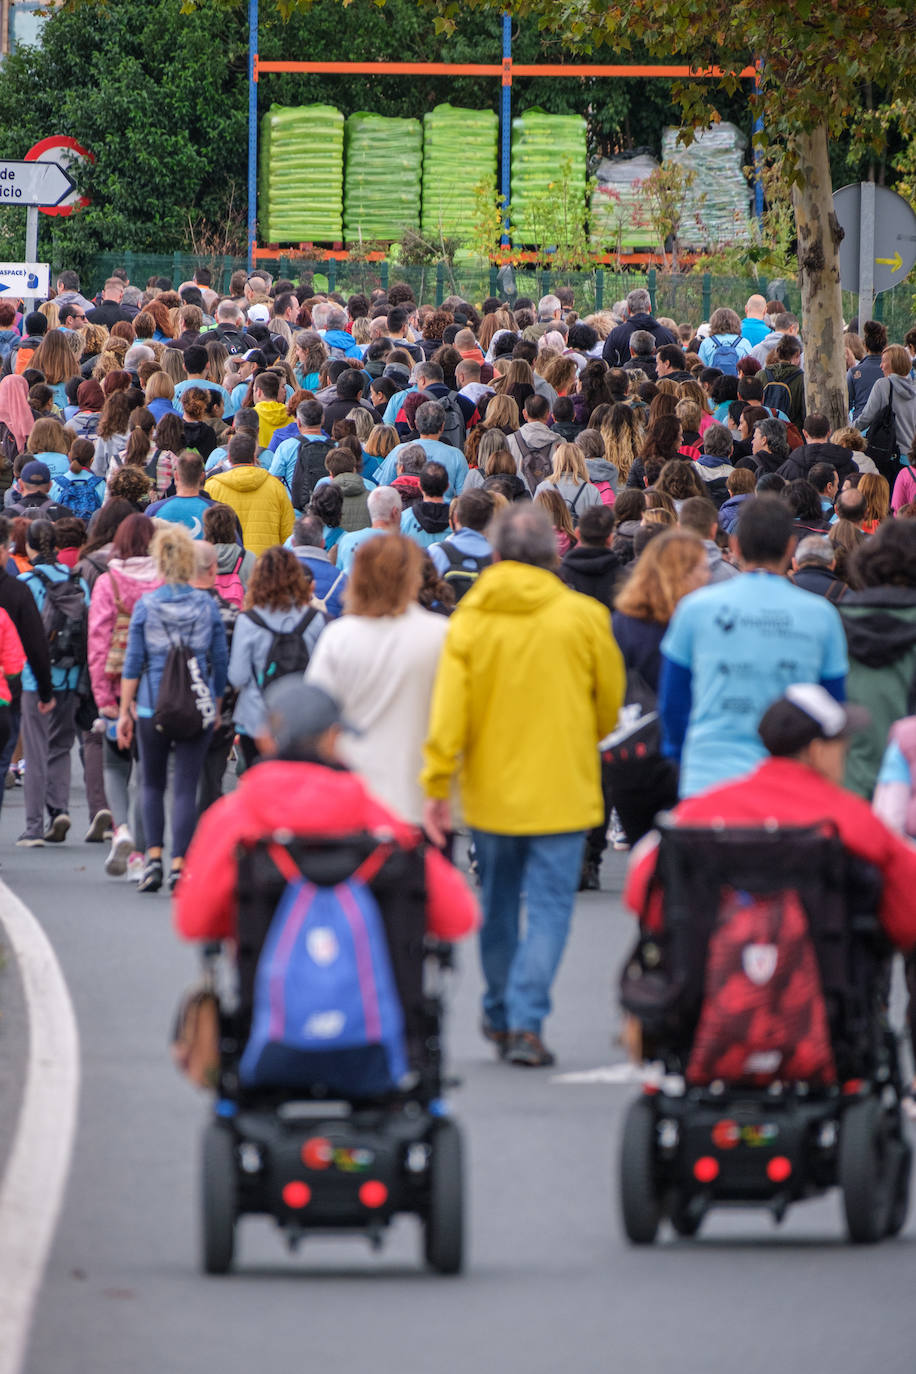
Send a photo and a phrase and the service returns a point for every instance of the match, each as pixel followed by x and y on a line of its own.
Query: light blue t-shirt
pixel 894 767
pixel 58 464
pixel 754 330
pixel 182 387
pixel 452 459
pixel 183 510
pixel 347 546
pixel 745 641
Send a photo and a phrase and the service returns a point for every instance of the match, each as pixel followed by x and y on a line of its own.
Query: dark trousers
pixel 188 755
pixel 6 753
pixel 210 788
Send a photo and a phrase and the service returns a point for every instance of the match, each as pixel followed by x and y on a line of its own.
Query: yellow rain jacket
pixel 529 681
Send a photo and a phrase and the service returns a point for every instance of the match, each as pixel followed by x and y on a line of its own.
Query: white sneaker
pixel 135 866
pixel 122 846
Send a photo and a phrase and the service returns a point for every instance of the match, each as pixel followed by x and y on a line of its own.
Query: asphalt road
pixel 551 1284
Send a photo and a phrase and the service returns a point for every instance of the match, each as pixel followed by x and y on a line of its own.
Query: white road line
pixel 32 1190
pixel 621 1074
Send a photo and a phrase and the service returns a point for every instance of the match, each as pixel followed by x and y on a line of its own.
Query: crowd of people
pixel 650 535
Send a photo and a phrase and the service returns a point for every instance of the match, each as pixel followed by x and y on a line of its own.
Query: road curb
pixel 32 1187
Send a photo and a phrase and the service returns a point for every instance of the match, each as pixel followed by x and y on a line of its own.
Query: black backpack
pixel 463 569
pixel 308 471
pixel 574 503
pixel 184 702
pixel 776 395
pixel 287 653
pixel 65 617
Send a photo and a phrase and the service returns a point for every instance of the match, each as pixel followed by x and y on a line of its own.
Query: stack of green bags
pixel 460 149
pixel 541 144
pixel 382 183
pixel 302 152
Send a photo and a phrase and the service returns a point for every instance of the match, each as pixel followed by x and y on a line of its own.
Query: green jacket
pixel 880 624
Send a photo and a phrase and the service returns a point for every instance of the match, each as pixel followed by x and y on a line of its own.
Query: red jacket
pixel 794 794
pixel 309 800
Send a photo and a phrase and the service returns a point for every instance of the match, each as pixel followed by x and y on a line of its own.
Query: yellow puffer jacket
pixel 529 681
pixel 259 500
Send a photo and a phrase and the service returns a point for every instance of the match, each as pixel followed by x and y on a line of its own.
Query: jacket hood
pixel 339 338
pixel 136 569
pixel 245 477
pixel 591 562
pixel 536 434
pixel 711 460
pixel 783 372
pixel 904 388
pixel 274 412
pixel 431 516
pixel 600 470
pixel 277 789
pixel 227 555
pixel 351 484
pixel 509 588
pixel 880 624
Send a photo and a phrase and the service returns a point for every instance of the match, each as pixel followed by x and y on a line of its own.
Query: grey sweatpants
pixel 46 743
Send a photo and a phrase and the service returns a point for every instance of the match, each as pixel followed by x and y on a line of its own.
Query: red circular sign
pixel 60 148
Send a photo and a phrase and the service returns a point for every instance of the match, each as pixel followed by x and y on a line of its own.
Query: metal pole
pixel 252 128
pixel 866 251
pixel 758 157
pixel 505 179
pixel 31 248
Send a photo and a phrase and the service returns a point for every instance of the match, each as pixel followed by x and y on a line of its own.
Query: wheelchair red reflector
pixel 706 1169
pixel 317 1153
pixel 297 1194
pixel 373 1193
pixel 853 1086
pixel 779 1169
pixel 725 1135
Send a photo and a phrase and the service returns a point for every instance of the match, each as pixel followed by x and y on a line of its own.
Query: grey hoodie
pixel 904 409
pixel 73 298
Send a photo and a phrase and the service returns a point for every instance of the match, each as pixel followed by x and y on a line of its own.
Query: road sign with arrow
pixel 889 225
pixel 34 183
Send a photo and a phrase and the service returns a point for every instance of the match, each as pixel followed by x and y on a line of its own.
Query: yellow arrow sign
pixel 895 262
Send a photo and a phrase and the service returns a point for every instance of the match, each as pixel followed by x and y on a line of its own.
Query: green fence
pixel 686 297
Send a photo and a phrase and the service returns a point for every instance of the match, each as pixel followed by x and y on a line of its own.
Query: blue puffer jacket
pixel 173 613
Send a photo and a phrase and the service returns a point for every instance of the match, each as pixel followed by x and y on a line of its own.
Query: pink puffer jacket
pixel 131 578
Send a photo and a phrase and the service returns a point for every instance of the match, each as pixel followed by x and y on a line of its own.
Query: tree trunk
pixel 819 236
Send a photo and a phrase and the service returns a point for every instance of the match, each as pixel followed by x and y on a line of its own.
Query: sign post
pixel 879 243
pixel 866 251
pixel 31 249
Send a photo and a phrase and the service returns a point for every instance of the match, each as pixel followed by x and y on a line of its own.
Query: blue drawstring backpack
pixel 326 1012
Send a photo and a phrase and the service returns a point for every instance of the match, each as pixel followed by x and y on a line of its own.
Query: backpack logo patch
pixel 322 945
pixel 759 963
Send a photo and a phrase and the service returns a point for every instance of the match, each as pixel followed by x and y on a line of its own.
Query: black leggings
pixel 189 756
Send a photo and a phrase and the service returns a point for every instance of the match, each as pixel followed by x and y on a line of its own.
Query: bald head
pixel 756 308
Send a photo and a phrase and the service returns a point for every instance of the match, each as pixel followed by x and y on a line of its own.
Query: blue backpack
pixel 725 357
pixel 326 1012
pixel 81 498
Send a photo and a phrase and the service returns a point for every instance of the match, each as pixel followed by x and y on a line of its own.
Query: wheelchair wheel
pixel 218 1199
pixel 444 1229
pixel 639 1201
pixel 685 1222
pixel 900 1197
pixel 863 1168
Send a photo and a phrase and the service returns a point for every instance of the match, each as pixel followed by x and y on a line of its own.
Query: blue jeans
pixel 519 972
